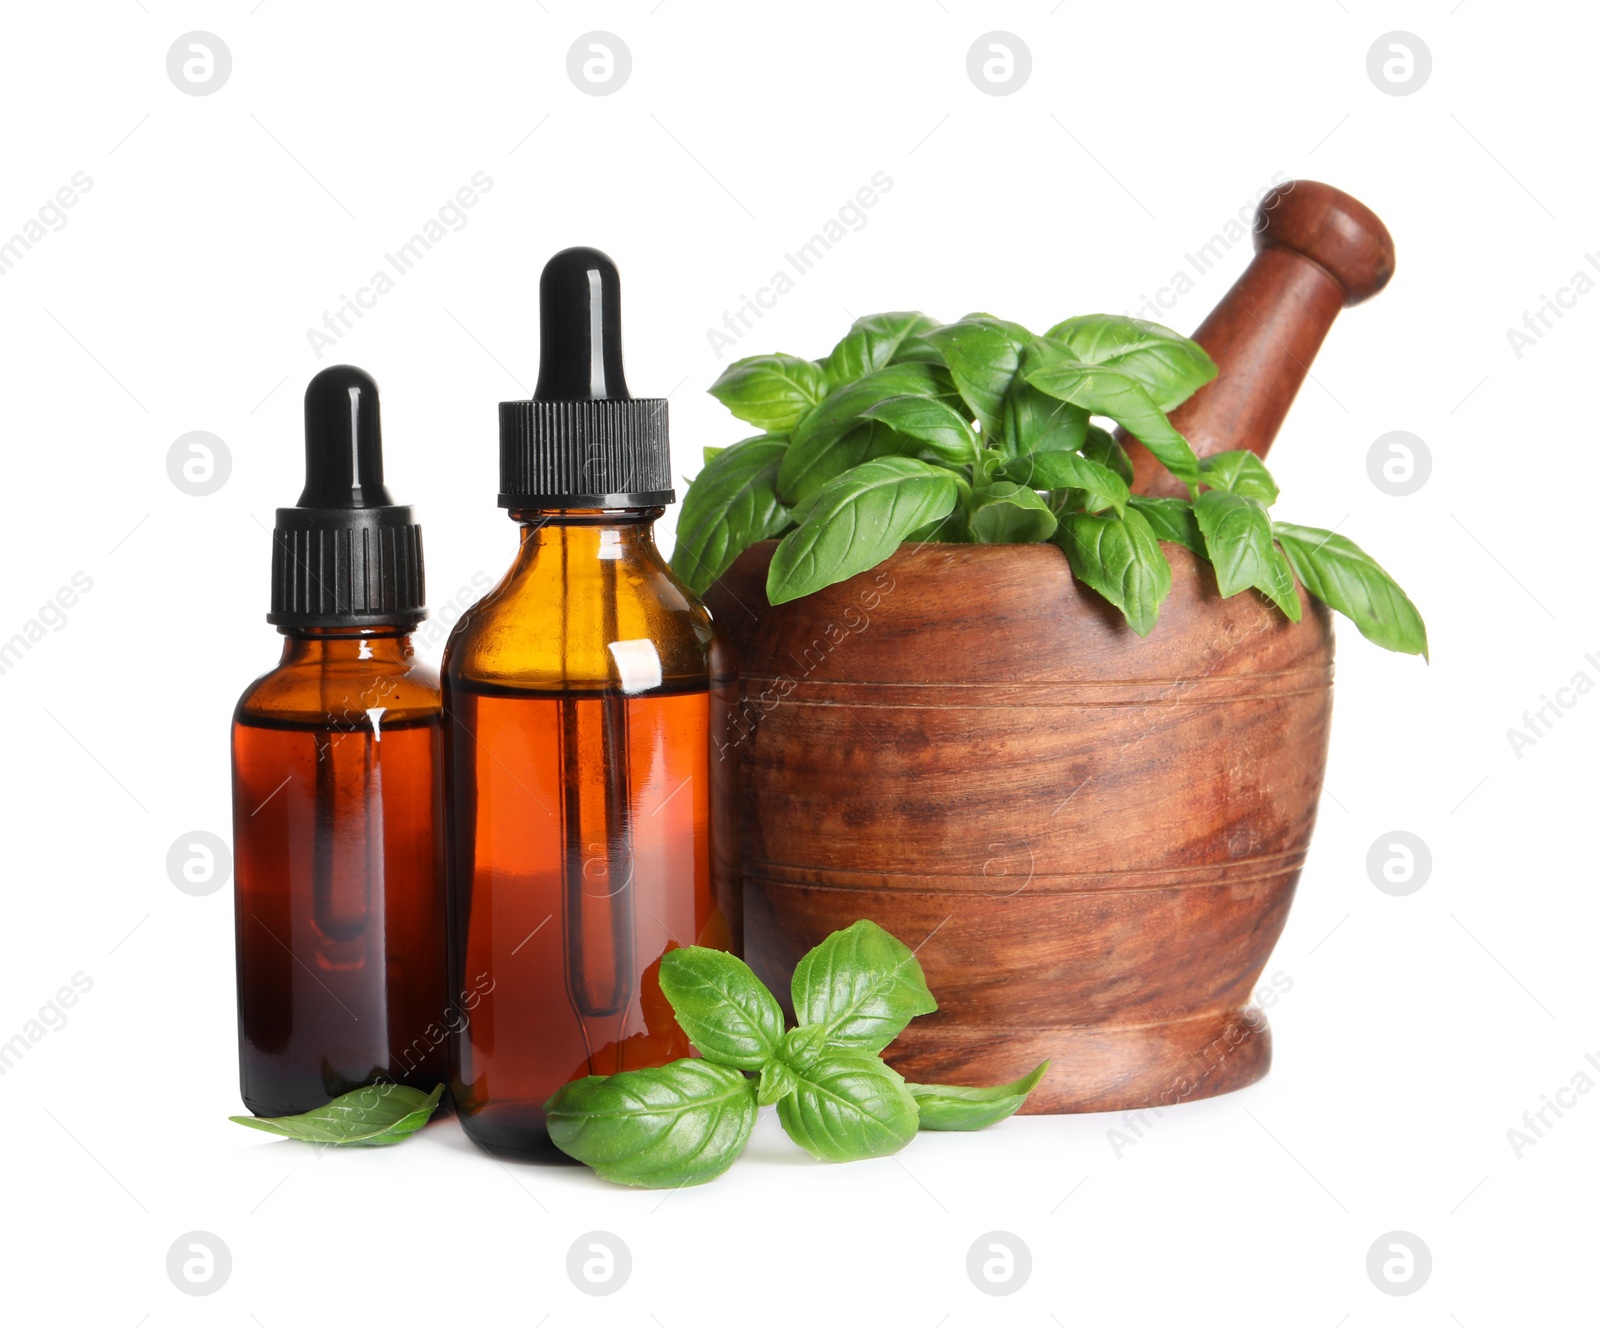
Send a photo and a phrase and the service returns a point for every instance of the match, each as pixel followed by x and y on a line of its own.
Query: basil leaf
pixel 777 1081
pixel 1119 558
pixel 865 441
pixel 858 520
pixel 772 392
pixel 953 1107
pixel 1100 486
pixel 1032 421
pixel 1240 473
pixel 709 454
pixel 1172 520
pixel 861 987
pixel 817 450
pixel 676 1125
pixel 730 505
pixel 1280 585
pixel 918 350
pixel 725 1009
pixel 1005 513
pixel 1168 366
pixel 870 344
pixel 1238 535
pixel 1018 334
pixel 803 1045
pixel 875 440
pixel 1101 447
pixel 849 1106
pixel 1103 390
pixel 1346 578
pixel 375 1114
pixel 940 429
pixel 982 354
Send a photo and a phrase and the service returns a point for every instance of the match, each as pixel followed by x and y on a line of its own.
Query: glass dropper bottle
pixel 338 844
pixel 576 696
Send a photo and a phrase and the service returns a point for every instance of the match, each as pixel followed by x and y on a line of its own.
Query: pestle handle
pixel 1317 250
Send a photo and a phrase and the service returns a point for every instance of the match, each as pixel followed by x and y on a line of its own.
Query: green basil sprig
pixel 685 1123
pixel 979 432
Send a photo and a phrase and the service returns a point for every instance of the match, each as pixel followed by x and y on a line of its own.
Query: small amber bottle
pixel 576 747
pixel 337 807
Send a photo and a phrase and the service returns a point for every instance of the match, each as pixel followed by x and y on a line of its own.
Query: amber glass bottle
pixel 576 743
pixel 338 845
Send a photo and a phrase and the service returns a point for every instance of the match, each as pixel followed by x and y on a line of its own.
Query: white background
pixel 1416 1031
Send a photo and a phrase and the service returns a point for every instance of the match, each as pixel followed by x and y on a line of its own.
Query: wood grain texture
pixel 1317 251
pixel 1092 838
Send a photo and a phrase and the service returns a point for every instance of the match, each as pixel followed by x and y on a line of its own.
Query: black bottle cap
pixel 583 442
pixel 346 556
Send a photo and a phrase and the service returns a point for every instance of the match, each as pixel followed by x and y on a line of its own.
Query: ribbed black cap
pixel 346 555
pixel 583 442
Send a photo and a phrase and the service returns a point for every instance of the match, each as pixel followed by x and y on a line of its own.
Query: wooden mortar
pixel 1090 838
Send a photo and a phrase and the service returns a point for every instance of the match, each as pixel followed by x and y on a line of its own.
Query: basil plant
pixel 980 432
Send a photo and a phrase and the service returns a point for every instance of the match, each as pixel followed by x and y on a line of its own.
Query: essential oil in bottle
pixel 576 741
pixel 337 807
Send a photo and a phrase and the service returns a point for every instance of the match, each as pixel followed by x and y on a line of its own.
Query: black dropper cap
pixel 583 442
pixel 346 556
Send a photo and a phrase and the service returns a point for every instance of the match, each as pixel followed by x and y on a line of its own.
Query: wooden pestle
pixel 1317 249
